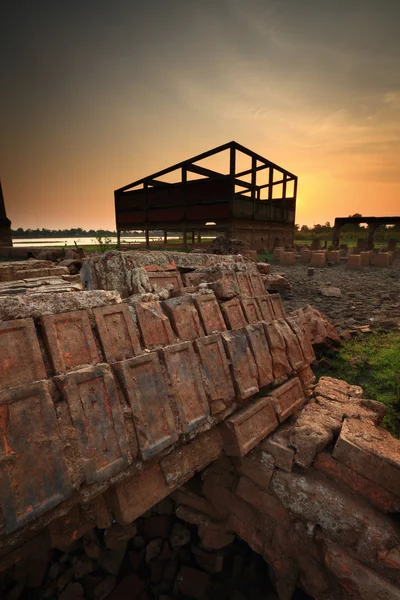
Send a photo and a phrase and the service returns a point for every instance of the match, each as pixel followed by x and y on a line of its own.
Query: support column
pixel 165 238
pixel 147 239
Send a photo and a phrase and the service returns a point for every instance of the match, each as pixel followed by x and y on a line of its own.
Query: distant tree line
pixel 75 232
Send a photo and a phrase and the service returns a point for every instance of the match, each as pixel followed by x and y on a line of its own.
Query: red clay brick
pixel 262 355
pixel 117 332
pixel 214 539
pixel 287 398
pixel 210 313
pixel 263 501
pixel 96 414
pixel 226 286
pixel 266 308
pixel 186 382
pixel 277 445
pixel 216 374
pixel 160 280
pixel 277 306
pixel 246 428
pixel 184 318
pixel 70 340
pixel 251 309
pixel 246 521
pixel 195 278
pixel 293 350
pixel 183 462
pixel 184 495
pixel 257 285
pixel 244 368
pixel 244 283
pixel 154 325
pixel 306 377
pixel 144 385
pixel 20 357
pixel 277 348
pixel 374 493
pixel 34 476
pixel 233 314
pixel 371 451
pixel 257 468
pixel 294 321
pixel 192 582
pixel 130 499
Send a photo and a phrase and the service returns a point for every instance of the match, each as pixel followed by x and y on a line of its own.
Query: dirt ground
pixel 368 296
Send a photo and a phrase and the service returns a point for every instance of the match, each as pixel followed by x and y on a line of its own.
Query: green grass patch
pixel 373 361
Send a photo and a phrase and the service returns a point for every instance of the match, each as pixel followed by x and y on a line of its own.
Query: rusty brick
pixel 371 451
pixel 277 445
pixel 306 377
pixel 263 501
pixel 251 309
pixel 182 463
pixel 20 357
pixel 266 309
pixel 293 350
pixel 69 528
pixel 210 313
pixel 244 283
pixel 374 493
pixel 161 280
pixel 262 355
pixel 295 322
pixel 184 318
pixel 34 475
pixel 257 285
pixel 96 414
pixel 246 428
pixel 117 331
pixel 186 382
pixel 277 306
pixel 154 325
pixel 195 278
pixel 287 398
pixel 70 340
pixel 256 467
pixel 189 497
pixel 226 286
pixel 216 374
pixel 144 385
pixel 243 366
pixel 277 348
pixel 233 314
pixel 356 579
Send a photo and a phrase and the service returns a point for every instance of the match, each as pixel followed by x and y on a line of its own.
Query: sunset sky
pixel 98 93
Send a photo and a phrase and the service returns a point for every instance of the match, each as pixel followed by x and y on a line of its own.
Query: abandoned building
pixel 5 223
pixel 250 198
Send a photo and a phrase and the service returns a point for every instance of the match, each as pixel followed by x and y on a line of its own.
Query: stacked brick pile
pixel 107 407
pixel 36 276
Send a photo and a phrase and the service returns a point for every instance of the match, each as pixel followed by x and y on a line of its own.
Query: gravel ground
pixel 368 296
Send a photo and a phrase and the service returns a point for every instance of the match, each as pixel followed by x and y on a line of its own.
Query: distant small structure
pixel 5 224
pixel 373 224
pixel 251 199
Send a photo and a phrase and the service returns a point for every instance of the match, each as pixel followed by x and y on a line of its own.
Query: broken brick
pixel 117 332
pixel 144 385
pixel 20 357
pixel 217 380
pixel 70 340
pixel 186 382
pixel 154 325
pixel 262 355
pixel 159 280
pixel 184 317
pixel 277 348
pixel 233 314
pixel 210 313
pixel 251 309
pixel 247 427
pixel 244 369
pixel 96 413
pixel 287 398
pixel 293 350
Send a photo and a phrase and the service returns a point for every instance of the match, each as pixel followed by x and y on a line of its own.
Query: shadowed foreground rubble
pixel 201 394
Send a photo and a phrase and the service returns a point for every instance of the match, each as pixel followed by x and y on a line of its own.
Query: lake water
pixel 87 241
